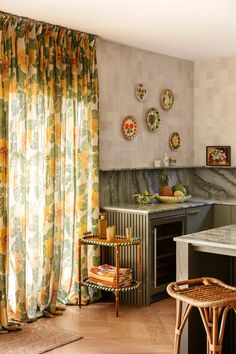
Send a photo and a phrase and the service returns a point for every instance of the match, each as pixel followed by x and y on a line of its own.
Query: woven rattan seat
pixel 213 298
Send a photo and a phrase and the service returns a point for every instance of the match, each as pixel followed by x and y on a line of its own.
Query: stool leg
pixel 214 335
pixel 180 323
pixel 177 325
pixel 222 326
pixel 209 318
pixel 207 325
pixel 215 332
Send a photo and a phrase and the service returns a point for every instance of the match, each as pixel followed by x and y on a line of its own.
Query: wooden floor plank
pixel 145 330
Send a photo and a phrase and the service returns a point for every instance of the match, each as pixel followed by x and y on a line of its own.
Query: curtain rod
pixel 46 23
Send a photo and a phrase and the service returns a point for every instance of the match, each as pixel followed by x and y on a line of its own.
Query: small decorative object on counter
pixel 111 233
pixel 166 160
pixel 174 141
pixel 129 127
pixel 167 99
pixel 153 119
pixel 157 163
pixel 144 198
pixel 172 161
pixel 102 225
pixel 140 92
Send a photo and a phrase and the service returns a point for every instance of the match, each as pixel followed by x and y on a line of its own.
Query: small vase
pixel 166 160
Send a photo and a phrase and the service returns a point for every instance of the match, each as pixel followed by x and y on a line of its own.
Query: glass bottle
pixel 102 225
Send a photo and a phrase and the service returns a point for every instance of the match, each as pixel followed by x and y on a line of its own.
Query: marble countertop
pixel 224 237
pixel 162 207
pixel 158 207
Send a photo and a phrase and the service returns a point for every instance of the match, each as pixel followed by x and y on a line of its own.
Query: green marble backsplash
pixel 119 186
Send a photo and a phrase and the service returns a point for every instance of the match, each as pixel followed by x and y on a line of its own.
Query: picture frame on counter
pixel 218 155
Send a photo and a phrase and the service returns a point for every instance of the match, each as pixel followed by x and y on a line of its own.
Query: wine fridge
pixel 163 254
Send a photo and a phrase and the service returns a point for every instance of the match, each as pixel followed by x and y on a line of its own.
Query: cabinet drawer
pixel 199 218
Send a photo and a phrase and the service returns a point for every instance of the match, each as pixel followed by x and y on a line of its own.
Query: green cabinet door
pixel 222 215
pixel 199 219
pixel 233 214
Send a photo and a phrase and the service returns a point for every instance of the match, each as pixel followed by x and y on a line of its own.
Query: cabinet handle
pixel 193 212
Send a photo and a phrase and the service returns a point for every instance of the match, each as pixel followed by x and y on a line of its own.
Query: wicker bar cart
pixel 117 244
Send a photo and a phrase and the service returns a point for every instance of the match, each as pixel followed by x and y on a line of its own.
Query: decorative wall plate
pixel 167 99
pixel 129 127
pixel 153 119
pixel 141 92
pixel 174 141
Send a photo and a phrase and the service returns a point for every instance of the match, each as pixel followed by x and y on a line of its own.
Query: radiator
pixel 129 255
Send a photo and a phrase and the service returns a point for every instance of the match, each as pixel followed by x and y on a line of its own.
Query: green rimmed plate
pixel 153 119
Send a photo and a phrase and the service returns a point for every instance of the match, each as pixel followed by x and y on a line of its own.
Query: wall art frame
pixel 218 156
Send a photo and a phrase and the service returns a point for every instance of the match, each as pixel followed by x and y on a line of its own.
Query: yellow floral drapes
pixel 48 163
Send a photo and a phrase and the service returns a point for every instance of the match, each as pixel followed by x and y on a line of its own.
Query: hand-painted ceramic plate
pixel 129 127
pixel 174 141
pixel 164 199
pixel 167 99
pixel 153 119
pixel 141 92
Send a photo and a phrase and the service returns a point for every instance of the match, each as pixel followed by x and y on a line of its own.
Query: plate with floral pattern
pixel 140 92
pixel 167 99
pixel 129 127
pixel 174 141
pixel 153 119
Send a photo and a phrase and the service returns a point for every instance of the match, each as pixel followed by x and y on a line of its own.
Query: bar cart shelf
pixel 117 244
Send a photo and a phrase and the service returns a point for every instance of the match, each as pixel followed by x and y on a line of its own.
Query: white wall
pixel 214 106
pixel 120 68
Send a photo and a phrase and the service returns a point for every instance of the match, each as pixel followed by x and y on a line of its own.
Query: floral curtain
pixel 48 164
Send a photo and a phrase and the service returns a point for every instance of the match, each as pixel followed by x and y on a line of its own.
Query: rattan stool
pixel 213 299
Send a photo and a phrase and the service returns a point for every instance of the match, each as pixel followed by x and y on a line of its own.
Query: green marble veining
pixel 210 183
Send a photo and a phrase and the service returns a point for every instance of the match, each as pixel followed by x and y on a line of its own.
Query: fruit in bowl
pixel 178 193
pixel 165 189
pixel 144 198
pixel 179 188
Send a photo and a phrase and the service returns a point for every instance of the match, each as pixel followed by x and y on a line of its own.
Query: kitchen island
pixel 207 253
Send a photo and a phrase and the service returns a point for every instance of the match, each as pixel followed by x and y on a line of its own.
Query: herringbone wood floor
pixel 137 330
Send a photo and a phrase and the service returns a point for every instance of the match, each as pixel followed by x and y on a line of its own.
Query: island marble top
pixel 162 207
pixel 223 237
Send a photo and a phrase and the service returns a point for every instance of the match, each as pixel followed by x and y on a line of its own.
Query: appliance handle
pixel 193 212
pixel 155 257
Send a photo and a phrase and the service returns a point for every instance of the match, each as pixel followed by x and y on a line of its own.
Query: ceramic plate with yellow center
pixel 174 141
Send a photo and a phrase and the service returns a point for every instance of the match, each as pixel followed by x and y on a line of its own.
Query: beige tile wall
pixel 120 68
pixel 214 105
